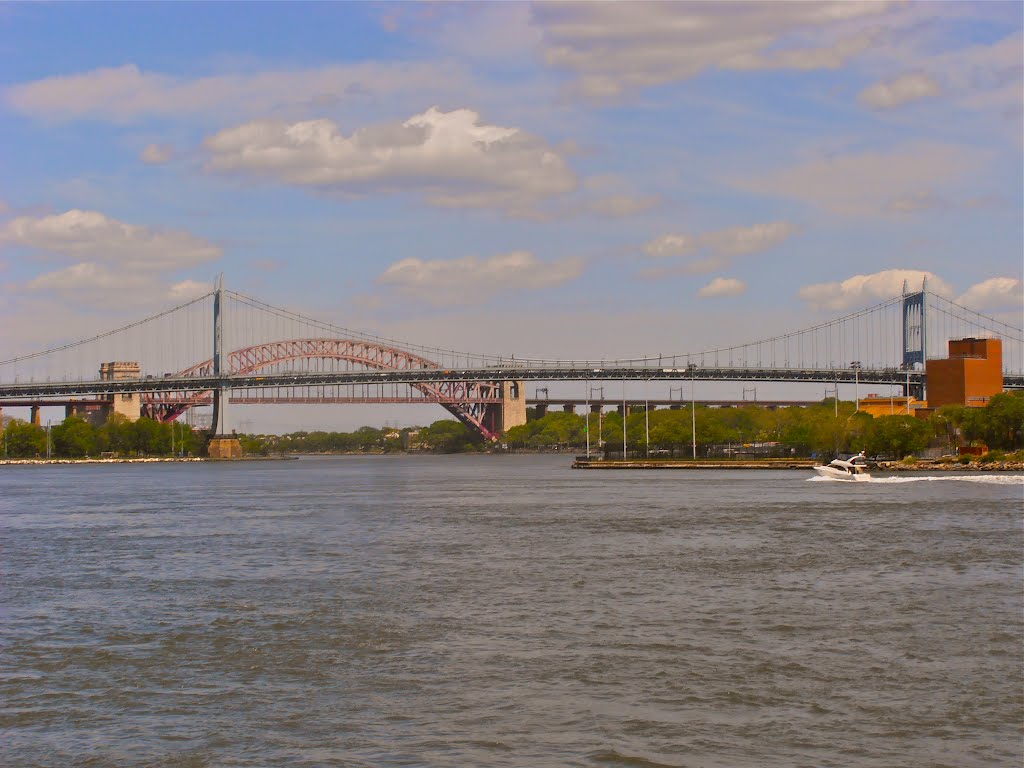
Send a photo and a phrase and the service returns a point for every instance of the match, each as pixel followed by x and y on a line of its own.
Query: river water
pixel 506 611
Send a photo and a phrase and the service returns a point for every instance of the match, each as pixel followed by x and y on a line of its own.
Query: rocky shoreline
pixel 138 460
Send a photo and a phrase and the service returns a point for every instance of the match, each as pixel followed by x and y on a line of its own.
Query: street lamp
pixel 625 412
pixel 855 366
pixel 693 410
pixel 587 406
pixel 600 415
pixel 647 420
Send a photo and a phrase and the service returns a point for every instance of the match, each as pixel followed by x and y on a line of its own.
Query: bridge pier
pixel 510 412
pixel 569 408
pixel 542 410
pixel 36 417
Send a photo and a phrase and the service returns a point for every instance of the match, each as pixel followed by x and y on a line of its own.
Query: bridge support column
pixel 511 412
pixel 127 404
pixel 569 407
pixel 542 410
pixel 36 418
pixel 595 408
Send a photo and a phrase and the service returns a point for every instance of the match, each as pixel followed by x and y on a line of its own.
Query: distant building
pixel 970 376
pixel 895 405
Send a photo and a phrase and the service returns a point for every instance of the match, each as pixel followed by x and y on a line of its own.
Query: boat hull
pixel 837 474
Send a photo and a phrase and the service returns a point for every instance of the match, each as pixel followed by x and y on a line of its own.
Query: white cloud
pixel 451 158
pixel 614 47
pixel 741 241
pixel 859 290
pixel 671 245
pixel 618 206
pixel 913 86
pixel 188 289
pixel 717 247
pixel 157 154
pixel 472 279
pixel 722 286
pixel 97 285
pixel 986 76
pixel 869 182
pixel 91 236
pixel 127 93
pixel 996 293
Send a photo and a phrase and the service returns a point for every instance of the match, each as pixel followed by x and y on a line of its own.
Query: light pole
pixel 693 410
pixel 587 406
pixel 855 365
pixel 835 397
pixel 647 420
pixel 624 412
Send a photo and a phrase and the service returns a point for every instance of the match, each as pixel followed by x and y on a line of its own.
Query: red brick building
pixel 971 374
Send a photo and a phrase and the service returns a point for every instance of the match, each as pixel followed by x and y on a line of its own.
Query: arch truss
pixel 477 404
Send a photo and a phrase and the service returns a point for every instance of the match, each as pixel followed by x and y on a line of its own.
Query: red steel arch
pixel 472 403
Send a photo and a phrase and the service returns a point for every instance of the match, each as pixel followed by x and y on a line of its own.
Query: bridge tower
pixel 220 445
pixel 915 339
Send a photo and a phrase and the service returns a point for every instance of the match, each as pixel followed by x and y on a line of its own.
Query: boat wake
pixel 984 479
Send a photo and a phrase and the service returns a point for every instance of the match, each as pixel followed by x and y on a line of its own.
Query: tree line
pixel 77 438
pixel 827 429
pixel 824 430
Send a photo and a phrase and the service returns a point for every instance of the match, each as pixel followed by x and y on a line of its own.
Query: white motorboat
pixel 853 468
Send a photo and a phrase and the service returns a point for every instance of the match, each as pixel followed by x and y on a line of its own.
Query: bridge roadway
pixel 505 373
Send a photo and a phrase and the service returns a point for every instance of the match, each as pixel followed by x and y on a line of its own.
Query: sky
pixel 564 180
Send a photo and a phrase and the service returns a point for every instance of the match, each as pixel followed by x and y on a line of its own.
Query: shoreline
pixel 923 465
pixel 140 460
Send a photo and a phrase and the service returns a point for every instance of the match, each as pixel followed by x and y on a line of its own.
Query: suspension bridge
pixel 226 346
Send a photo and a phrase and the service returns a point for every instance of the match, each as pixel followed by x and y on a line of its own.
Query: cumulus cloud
pixel 451 158
pixel 869 182
pixel 722 286
pixel 913 86
pixel 127 93
pixel 860 290
pixel 157 154
pixel 718 247
pixel 472 279
pixel 996 293
pixel 91 236
pixel 92 284
pixel 614 47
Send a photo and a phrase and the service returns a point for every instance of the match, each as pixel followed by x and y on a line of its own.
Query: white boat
pixel 845 469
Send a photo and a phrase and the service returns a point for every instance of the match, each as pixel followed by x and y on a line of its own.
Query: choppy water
pixel 506 611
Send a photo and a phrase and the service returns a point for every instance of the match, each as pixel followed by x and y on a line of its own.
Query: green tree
pixel 74 437
pixel 448 436
pixel 25 440
pixel 897 436
pixel 1002 421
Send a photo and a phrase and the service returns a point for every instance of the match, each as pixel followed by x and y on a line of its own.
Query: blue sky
pixel 499 176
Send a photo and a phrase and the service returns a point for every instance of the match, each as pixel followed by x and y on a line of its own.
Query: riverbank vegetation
pixel 823 430
pixel 77 438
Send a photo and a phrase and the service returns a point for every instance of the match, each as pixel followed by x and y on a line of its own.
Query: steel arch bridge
pixel 477 404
